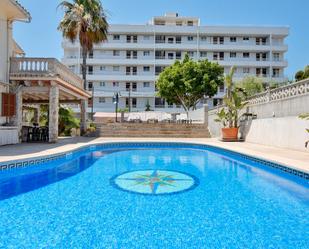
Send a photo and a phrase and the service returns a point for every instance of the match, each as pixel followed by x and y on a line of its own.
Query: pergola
pixel 39 81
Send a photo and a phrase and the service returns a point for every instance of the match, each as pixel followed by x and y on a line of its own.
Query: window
pixel 134 102
pixel 178 23
pixel 116 68
pixel 8 104
pixel 102 84
pixel 146 53
pixel 221 56
pixel 276 56
pixel 134 38
pixel 90 86
pixel 190 23
pixel 170 40
pixel 217 40
pixel 178 39
pixel 178 55
pixel 90 70
pixel 170 56
pixel 246 70
pixel 233 55
pixel 190 38
pixel 246 39
pixel 115 84
pixel 159 103
pixel 204 38
pixel 232 39
pixel 116 37
pixel 90 55
pixel 260 40
pixel 215 56
pixel 203 54
pixel 159 22
pixel 128 38
pixel 101 100
pixel 102 68
pixel 146 69
pixel 116 53
pixel 276 72
pixel 134 54
pixel 134 86
pixel 191 54
pixel 146 84
pixel 245 55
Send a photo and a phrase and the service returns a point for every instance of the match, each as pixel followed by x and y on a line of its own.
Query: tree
pixel 66 119
pixel 187 82
pixel 302 74
pixel 84 20
pixel 251 85
pixel 299 75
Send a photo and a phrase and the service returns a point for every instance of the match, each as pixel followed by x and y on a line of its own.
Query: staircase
pixel 153 130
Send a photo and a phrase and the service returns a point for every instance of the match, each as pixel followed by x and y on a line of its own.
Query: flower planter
pixel 229 133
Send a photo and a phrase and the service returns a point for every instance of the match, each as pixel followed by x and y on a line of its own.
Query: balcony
pixel 43 68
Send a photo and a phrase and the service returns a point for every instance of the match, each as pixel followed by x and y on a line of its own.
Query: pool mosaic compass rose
pixel 154 182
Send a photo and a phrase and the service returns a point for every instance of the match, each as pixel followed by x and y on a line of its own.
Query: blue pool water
pixel 154 197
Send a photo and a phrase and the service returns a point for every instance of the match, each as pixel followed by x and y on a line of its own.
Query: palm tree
pixel 84 20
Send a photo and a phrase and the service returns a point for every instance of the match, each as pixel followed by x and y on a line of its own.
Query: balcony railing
pixel 43 67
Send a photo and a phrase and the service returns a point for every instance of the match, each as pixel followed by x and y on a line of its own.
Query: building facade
pixel 10 11
pixel 134 55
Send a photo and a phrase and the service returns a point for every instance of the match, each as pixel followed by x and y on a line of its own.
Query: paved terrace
pixel 294 159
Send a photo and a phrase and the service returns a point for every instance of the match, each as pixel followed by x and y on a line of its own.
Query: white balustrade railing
pixel 43 67
pixel 293 90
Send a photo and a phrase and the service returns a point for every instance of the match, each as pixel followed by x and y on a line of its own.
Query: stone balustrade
pixel 293 90
pixel 43 67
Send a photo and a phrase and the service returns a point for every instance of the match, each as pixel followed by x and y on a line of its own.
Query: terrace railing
pixel 289 91
pixel 43 67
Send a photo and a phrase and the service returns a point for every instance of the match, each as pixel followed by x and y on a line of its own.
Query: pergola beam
pixel 42 102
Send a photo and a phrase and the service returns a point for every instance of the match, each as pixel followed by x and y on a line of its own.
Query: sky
pixel 40 38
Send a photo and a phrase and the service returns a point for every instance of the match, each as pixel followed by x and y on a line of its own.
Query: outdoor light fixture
pixel 116 101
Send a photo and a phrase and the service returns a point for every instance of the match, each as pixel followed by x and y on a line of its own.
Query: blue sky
pixel 41 38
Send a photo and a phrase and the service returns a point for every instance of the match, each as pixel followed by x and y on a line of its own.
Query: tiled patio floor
pixel 291 158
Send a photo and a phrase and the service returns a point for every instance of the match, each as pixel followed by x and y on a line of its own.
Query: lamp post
pixel 116 101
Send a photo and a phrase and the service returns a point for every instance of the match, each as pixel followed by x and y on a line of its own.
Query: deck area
pixel 294 159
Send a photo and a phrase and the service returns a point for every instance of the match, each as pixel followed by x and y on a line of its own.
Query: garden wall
pixel 277 122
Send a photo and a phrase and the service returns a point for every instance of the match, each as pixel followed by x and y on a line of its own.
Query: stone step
pixel 153 130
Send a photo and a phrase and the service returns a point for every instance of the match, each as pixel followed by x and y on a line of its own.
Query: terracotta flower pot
pixel 229 133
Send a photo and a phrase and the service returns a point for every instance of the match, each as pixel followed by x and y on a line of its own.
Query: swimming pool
pixel 153 196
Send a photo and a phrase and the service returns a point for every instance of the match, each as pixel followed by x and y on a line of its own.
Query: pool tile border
pixel 22 163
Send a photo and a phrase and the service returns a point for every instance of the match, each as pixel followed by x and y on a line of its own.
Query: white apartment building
pixel 134 55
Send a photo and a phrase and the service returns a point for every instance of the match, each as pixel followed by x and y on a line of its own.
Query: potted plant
pixel 305 116
pixel 229 114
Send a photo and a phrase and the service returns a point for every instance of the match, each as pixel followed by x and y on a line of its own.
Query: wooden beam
pixel 36 89
pixel 31 101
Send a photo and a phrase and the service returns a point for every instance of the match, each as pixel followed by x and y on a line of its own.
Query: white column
pixel 53 113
